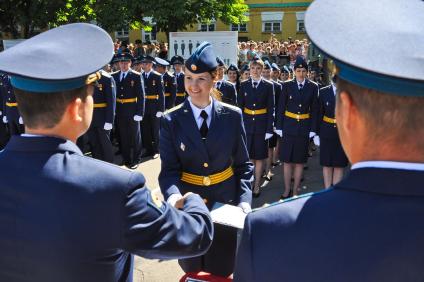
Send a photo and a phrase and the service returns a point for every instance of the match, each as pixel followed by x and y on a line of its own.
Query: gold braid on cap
pixel 93 78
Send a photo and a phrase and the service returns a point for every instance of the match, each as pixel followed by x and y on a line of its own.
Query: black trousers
pixel 150 126
pixel 15 128
pixel 100 143
pixel 129 139
pixel 4 135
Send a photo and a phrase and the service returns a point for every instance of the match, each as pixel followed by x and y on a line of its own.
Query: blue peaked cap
pixel 203 59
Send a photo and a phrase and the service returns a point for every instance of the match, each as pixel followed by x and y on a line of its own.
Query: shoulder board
pixel 174 109
pixel 155 72
pixel 105 73
pixel 232 107
pixel 114 72
pixel 294 199
pixel 135 72
pixel 170 74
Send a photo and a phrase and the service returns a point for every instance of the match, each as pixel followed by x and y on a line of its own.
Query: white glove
pixel 173 199
pixel 312 134
pixel 21 121
pixel 268 135
pixel 107 126
pixel 138 118
pixel 159 114
pixel 279 132
pixel 5 119
pixel 245 207
pixel 1 113
pixel 316 140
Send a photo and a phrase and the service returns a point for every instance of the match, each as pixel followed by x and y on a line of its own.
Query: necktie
pixel 255 84
pixel 300 87
pixel 145 76
pixel 218 84
pixel 123 76
pixel 204 126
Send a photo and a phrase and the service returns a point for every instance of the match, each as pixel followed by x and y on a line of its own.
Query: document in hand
pixel 228 215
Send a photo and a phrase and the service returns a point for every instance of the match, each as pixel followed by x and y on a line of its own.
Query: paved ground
pixel 169 271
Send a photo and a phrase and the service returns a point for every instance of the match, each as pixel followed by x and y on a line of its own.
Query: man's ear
pixel 74 110
pixel 344 110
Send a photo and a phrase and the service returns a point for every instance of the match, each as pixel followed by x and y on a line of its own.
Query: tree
pixel 177 15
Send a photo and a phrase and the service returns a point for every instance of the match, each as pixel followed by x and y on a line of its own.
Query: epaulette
pixel 136 72
pixel 232 107
pixel 174 109
pixel 312 194
pixel 112 73
pixel 105 73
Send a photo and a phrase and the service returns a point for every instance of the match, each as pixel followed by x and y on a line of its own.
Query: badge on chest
pixel 132 83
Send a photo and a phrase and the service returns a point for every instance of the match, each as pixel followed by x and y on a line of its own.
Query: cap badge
pixel 193 67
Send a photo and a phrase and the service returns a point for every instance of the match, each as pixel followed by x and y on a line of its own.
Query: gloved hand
pixel 159 114
pixel 21 121
pixel 107 126
pixel 245 207
pixel 138 118
pixel 316 140
pixel 279 132
pixel 173 199
pixel 5 119
pixel 1 113
pixel 312 134
pixel 268 135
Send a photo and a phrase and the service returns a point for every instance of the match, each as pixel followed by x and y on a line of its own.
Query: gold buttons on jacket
pixel 205 165
pixel 206 181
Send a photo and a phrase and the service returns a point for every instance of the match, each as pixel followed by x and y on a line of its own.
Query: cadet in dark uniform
pixel 169 84
pixel 297 114
pixel 233 75
pixel 11 115
pixel 256 99
pixel 285 73
pixel 245 73
pixel 227 90
pixel 178 62
pixel 332 156
pixel 154 108
pixel 278 91
pixel 98 135
pixel 368 227
pixel 129 111
pixel 66 217
pixel 4 134
pixel 203 150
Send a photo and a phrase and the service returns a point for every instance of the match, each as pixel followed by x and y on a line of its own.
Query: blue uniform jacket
pixel 367 228
pixel 67 217
pixel 182 149
pixel 153 86
pixel 170 87
pixel 129 88
pixel 104 93
pixel 10 111
pixel 228 92
pixel 327 106
pixel 257 99
pixel 180 88
pixel 278 92
pixel 294 101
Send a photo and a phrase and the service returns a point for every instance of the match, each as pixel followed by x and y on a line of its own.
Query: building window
pixel 300 17
pixel 122 34
pixel 271 26
pixel 239 27
pixel 271 21
pixel 207 27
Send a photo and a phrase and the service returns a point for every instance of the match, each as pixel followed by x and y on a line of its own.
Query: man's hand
pixel 138 118
pixel 179 204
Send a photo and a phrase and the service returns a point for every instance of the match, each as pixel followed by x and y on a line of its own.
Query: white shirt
pixel 197 111
pixel 334 88
pixel 299 83
pixel 146 74
pixel 257 81
pixel 123 75
pixel 389 164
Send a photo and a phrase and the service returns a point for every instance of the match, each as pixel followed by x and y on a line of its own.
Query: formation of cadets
pixel 285 114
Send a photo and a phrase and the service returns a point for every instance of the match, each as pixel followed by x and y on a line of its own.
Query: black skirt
pixel 332 153
pixel 294 149
pixel 257 146
pixel 272 143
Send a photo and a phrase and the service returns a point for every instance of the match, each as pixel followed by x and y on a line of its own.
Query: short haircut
pixel 257 62
pixel 45 110
pixel 388 116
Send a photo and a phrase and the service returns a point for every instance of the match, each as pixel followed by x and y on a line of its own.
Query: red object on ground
pixel 203 276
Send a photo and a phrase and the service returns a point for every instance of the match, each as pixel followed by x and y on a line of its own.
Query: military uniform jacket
pixel 327 106
pixel 170 87
pixel 228 92
pixel 367 228
pixel 278 92
pixel 104 101
pixel 129 88
pixel 183 150
pixel 10 110
pixel 298 102
pixel 179 78
pixel 72 218
pixel 257 99
pixel 154 93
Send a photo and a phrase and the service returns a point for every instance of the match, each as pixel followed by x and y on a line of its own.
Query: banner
pixel 223 42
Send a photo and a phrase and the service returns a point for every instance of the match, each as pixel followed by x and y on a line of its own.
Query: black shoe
pixel 267 178
pixel 132 166
pixel 282 197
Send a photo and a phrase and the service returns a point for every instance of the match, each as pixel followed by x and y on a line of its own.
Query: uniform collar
pixel 333 86
pixel 197 111
pixel 389 164
pixel 299 83
pixel 41 143
pixel 258 81
pixel 384 180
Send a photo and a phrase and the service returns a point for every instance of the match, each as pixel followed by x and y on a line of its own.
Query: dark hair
pixel 388 116
pixel 45 110
pixel 215 93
